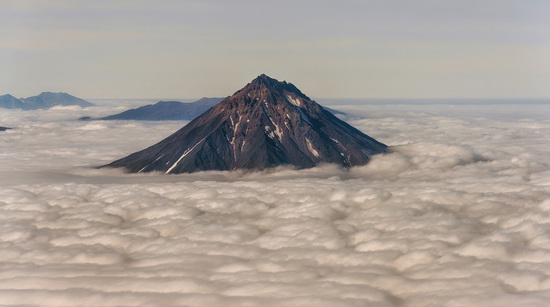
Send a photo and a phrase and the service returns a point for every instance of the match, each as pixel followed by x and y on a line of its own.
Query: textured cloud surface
pixel 457 215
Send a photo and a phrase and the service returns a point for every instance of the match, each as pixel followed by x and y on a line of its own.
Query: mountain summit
pixel 9 102
pixel 265 124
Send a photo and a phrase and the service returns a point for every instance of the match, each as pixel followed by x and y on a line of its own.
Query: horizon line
pixel 322 98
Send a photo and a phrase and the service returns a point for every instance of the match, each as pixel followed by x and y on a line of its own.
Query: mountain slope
pixel 265 124
pixel 167 110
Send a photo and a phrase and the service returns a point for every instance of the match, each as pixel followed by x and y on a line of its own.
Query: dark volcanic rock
pixel 167 110
pixel 10 102
pixel 47 100
pixel 266 124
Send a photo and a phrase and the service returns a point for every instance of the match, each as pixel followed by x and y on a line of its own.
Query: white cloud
pixel 456 215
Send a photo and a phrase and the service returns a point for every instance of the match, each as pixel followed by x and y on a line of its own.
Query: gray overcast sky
pixel 328 48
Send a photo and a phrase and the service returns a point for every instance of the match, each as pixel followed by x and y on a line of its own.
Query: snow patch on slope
pixel 269 132
pixel 312 149
pixel 295 101
pixel 185 153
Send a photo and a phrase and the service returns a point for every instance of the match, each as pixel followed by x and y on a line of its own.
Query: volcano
pixel 265 124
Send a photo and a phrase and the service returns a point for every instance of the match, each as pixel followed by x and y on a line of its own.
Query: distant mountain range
pixel 265 124
pixel 166 110
pixel 171 110
pixel 44 100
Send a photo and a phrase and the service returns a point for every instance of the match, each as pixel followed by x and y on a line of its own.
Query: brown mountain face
pixel 265 124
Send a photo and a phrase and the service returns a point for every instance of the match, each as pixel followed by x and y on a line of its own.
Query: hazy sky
pixel 328 48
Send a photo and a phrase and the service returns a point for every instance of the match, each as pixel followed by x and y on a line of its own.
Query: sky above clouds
pixel 346 49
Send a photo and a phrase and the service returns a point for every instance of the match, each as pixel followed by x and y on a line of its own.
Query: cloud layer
pixel 456 215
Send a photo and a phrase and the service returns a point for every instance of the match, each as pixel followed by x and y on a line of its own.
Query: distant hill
pixel 47 100
pixel 44 100
pixel 166 110
pixel 171 110
pixel 10 102
pixel 4 128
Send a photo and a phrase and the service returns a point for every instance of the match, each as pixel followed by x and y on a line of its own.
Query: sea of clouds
pixel 458 214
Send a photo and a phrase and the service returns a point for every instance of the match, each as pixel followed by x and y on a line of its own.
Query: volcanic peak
pixel 265 124
pixel 266 89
